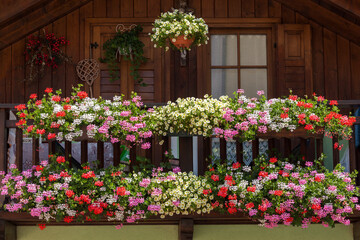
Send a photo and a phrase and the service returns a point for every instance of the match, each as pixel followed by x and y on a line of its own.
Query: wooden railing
pixel 311 146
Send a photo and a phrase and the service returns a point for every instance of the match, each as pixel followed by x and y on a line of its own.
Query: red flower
pixel 263 174
pixel 60 159
pixel 67 107
pixel 48 90
pixel 293 97
pixel 42 226
pixel 232 210
pixel 88 175
pixel 52 178
pixel 285 174
pixel 316 206
pixel 206 192
pixel 302 121
pixel 320 98
pixel 281 172
pixel 236 165
pixel 22 115
pixel 317 179
pixel 301 116
pixel 21 122
pixel 333 102
pixel 60 114
pixel 120 191
pixel 40 131
pixel 278 192
pixel 251 189
pixel 68 219
pixel 56 98
pixel 98 210
pixel 211 169
pixel 289 220
pixel 315 219
pixel 309 127
pixel 51 135
pixel 273 160
pixel 32 96
pixel 99 183
pixel 215 177
pixel 308 105
pixel 249 205
pixel 20 107
pixel 39 168
pixel 336 145
pixel 314 118
pixel 284 115
pixel 38 102
pixel 223 192
pixel 82 94
pixel 300 104
pixel 30 128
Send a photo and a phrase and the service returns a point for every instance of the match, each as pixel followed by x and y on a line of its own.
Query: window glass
pixel 223 82
pixel 224 50
pixel 253 80
pixel 253 50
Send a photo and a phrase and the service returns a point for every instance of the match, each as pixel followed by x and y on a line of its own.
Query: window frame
pixel 204 54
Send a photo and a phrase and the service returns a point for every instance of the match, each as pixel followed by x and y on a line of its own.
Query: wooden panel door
pixel 150 72
pixel 294 59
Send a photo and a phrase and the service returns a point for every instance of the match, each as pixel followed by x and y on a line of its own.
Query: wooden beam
pixel 16 9
pixel 186 228
pixel 325 17
pixel 37 19
pixel 7 230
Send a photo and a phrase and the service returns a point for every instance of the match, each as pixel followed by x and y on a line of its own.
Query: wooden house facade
pixel 308 46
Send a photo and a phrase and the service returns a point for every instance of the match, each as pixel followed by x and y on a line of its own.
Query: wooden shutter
pixel 294 59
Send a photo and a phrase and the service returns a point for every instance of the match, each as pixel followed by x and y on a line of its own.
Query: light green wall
pixel 255 232
pixel 129 232
pixel 170 232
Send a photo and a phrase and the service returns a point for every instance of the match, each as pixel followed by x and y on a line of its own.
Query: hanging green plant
pixel 125 44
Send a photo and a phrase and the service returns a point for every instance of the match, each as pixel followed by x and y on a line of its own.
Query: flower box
pixel 182 42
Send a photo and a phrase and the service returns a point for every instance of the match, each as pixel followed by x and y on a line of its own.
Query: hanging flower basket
pixel 175 26
pixel 182 42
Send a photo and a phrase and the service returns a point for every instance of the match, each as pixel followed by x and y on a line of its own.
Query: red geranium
pixel 56 98
pixel 48 90
pixel 251 189
pixel 99 183
pixel 120 191
pixel 51 135
pixel 82 94
pixel 60 114
pixel 60 159
pixel 249 205
pixel 215 177
pixel 236 165
pixel 68 219
pixel 273 160
pixel 34 95
pixel 40 131
pixel 20 107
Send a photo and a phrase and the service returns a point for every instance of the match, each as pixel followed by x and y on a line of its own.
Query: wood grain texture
pixel 221 8
pixel 325 17
pixel 72 50
pixel 59 74
pixel 235 8
pixel 207 8
pixel 113 8
pixel 330 64
pixel 140 8
pixel 355 71
pixel 344 70
pixel 5 75
pixel 99 7
pixel 127 8
pixel 261 8
pixel 37 19
pixel 18 72
pixel 154 8
pixel 274 9
pixel 248 8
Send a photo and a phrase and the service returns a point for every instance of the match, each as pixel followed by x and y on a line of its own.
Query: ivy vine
pixel 129 46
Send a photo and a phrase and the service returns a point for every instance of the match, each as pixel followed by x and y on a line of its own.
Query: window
pixel 239 59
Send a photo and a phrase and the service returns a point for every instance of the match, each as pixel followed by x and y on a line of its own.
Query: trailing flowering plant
pixel 243 117
pixel 171 25
pixel 275 191
pixel 194 116
pixel 60 118
pixel 44 50
pixel 272 192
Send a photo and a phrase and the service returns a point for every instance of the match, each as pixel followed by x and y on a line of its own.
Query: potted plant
pixel 181 29
pixel 128 45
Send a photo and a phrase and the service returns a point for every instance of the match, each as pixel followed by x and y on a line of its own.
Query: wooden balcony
pixel 311 146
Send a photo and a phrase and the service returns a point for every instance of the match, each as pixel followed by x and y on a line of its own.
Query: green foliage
pixel 130 48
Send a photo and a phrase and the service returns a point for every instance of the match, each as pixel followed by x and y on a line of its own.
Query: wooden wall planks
pixel 335 57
